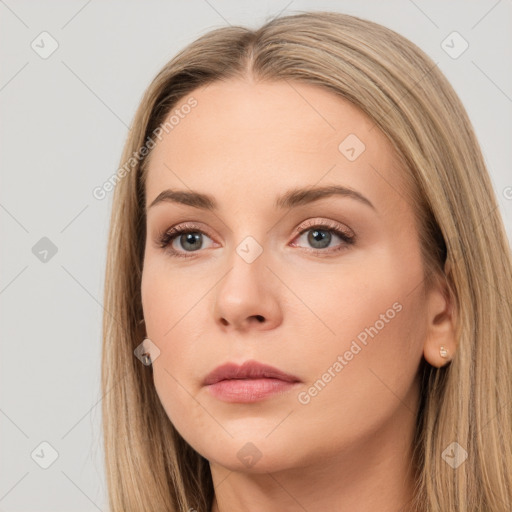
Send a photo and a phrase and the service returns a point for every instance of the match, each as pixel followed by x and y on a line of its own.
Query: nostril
pixel 260 318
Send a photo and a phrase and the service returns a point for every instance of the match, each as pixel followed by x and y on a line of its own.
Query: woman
pixel 308 288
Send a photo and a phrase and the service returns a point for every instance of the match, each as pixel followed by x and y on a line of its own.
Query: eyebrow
pixel 291 198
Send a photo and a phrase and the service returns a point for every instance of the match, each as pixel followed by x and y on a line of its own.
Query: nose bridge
pixel 250 249
pixel 247 276
pixel 248 238
pixel 247 290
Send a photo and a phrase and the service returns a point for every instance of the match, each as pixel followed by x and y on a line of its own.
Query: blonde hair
pixel 149 466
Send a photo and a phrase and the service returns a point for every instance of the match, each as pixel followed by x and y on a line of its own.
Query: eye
pixel 188 236
pixel 186 239
pixel 320 235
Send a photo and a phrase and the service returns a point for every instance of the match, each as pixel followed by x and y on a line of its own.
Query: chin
pixel 255 454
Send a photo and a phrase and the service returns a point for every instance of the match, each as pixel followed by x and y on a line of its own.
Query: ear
pixel 441 320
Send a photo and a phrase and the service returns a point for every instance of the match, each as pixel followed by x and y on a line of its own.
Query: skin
pixel 349 447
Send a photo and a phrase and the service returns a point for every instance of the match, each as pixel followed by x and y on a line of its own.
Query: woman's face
pixel 341 307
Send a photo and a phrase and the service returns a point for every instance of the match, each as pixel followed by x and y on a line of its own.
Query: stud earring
pixel 443 352
pixel 146 355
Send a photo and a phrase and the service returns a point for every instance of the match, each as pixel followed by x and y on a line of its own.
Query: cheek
pixel 172 307
pixel 170 299
pixel 363 299
pixel 366 337
pixel 365 376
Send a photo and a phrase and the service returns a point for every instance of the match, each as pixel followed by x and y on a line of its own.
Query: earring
pixel 145 356
pixel 443 352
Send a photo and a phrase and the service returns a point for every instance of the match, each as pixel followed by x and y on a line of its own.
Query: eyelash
pixel 167 238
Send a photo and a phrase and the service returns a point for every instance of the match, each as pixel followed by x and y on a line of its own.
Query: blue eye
pixel 320 236
pixel 191 239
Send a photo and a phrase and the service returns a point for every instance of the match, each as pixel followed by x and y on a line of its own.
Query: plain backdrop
pixel 64 119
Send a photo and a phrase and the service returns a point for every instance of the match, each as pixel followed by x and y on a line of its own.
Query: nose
pixel 247 297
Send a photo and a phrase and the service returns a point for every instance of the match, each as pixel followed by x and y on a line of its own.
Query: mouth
pixel 250 382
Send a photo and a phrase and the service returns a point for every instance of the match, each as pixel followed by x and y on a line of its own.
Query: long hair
pixel 149 466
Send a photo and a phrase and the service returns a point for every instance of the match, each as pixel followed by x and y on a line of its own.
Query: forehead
pixel 266 137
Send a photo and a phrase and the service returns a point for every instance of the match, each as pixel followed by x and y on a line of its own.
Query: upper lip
pixel 248 370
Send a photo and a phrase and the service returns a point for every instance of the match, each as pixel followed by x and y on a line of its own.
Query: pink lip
pixel 250 382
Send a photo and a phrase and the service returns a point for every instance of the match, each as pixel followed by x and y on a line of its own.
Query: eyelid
pixel 171 234
pixel 330 224
pixel 314 222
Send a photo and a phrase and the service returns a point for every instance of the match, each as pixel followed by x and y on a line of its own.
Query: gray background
pixel 64 121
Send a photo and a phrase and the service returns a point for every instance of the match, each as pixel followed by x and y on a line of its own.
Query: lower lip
pixel 248 390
